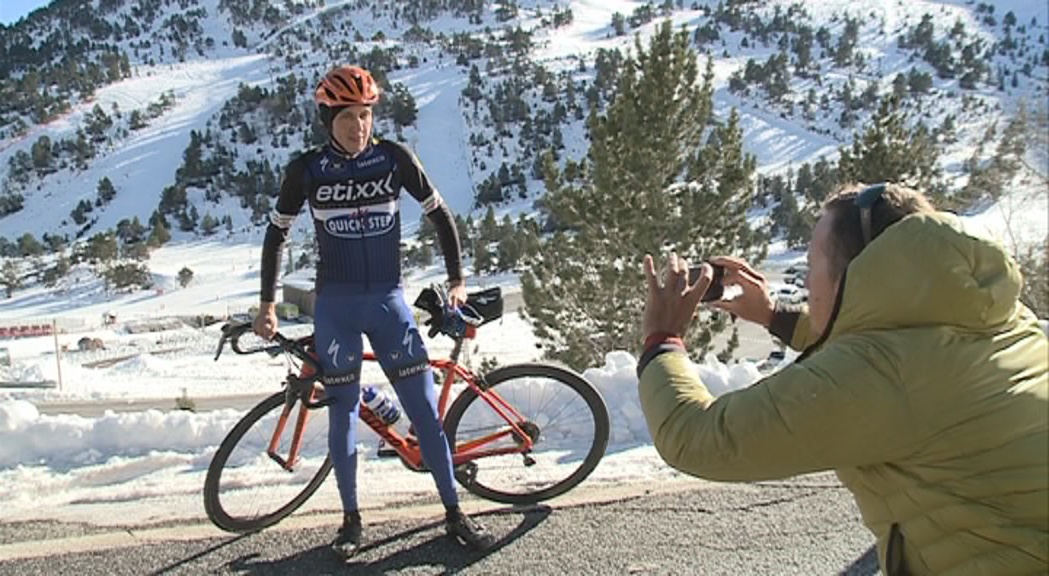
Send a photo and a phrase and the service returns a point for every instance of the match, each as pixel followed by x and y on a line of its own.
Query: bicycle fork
pixel 294 391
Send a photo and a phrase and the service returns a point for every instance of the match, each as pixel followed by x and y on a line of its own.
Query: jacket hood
pixel 927 270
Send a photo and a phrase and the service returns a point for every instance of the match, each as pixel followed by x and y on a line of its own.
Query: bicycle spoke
pixel 566 417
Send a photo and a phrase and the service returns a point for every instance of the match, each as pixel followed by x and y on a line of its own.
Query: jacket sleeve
pixel 817 415
pixel 790 323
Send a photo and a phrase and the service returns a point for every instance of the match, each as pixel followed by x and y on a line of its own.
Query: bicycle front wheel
pixel 562 413
pixel 246 488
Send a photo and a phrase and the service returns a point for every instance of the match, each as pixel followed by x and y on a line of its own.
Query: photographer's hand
pixel 672 303
pixel 755 304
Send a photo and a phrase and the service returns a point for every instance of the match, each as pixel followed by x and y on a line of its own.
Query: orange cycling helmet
pixel 345 86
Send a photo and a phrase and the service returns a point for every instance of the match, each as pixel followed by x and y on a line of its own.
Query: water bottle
pixel 380 404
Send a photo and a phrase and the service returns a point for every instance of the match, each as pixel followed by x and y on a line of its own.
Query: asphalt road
pixel 807 525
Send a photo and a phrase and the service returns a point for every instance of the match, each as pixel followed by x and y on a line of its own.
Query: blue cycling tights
pixel 342 316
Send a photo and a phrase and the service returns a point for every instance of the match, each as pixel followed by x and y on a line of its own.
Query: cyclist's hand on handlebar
pixel 457 294
pixel 265 323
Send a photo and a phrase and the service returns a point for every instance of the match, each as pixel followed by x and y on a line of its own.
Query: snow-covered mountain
pixel 229 83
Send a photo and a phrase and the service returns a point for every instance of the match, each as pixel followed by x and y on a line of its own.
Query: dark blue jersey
pixel 355 205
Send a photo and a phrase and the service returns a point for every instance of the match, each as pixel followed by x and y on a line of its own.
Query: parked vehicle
pixel 774 359
pixel 790 294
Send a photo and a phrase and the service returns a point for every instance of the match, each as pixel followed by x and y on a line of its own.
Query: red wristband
pixel 662 338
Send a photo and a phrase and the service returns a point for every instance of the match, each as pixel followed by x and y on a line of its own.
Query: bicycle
pixel 491 438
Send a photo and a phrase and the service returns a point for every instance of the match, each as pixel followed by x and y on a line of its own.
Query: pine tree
pixel 483 260
pixel 41 154
pixel 424 256
pixel 55 244
pixel 489 229
pixel 402 106
pixel 52 275
pixel 427 233
pixel 159 235
pixel 192 161
pixel 106 191
pixel 508 250
pixel 126 275
pixel 84 150
pixel 209 224
pixel 890 151
pixel 185 276
pixel 28 245
pixel 11 277
pixel 645 189
pixel 137 120
pixel 102 248
pixel 137 251
pixel 843 55
pixel 98 122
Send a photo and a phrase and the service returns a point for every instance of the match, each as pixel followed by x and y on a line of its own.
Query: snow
pixel 149 466
pixel 1017 220
pixel 144 162
pixel 141 166
pixel 436 91
pixel 141 467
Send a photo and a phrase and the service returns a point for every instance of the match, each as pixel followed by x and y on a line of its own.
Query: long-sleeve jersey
pixel 355 204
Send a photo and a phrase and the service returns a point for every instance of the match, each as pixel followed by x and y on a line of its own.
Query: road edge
pixel 130 538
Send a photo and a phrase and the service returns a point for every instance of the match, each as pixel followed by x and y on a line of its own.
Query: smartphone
pixel 717 285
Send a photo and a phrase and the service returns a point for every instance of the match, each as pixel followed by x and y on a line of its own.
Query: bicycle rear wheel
pixel 245 489
pixel 563 413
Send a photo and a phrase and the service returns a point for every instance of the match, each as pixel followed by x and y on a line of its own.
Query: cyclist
pixel 352 185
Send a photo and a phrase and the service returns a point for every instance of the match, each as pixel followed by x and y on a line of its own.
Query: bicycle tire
pixel 213 505
pixel 595 405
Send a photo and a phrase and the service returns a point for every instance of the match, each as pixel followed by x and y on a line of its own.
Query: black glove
pixel 432 302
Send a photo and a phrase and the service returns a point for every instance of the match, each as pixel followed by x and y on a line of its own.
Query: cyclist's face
pixel 352 128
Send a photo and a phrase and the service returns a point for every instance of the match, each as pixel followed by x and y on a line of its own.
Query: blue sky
pixel 12 10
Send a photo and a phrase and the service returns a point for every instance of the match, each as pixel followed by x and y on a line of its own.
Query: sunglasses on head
pixel 865 201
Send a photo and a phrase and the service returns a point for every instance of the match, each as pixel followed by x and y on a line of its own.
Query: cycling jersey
pixel 355 205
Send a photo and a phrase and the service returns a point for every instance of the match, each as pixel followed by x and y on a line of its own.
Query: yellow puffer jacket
pixel 929 396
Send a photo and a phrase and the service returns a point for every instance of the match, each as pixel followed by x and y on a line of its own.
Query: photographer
pixel 922 382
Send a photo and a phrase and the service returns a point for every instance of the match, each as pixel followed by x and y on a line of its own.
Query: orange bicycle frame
pixel 407 447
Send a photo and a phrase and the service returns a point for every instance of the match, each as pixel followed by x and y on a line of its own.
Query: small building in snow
pixel 298 288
